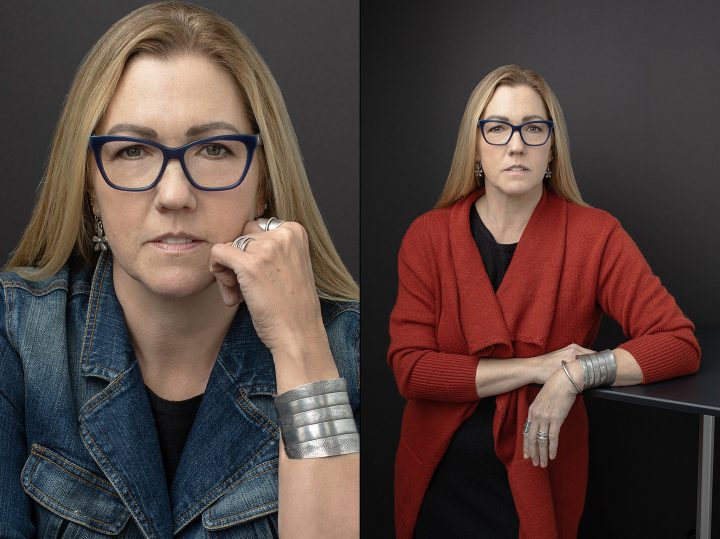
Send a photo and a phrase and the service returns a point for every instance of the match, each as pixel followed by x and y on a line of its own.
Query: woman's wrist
pixel 539 370
pixel 302 362
pixel 573 371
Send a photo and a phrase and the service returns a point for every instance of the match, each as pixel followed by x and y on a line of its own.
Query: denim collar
pixel 230 437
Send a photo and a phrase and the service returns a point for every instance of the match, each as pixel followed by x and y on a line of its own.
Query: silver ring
pixel 268 224
pixel 526 426
pixel 242 242
pixel 542 437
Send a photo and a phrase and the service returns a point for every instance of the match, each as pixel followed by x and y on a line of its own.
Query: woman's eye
pixel 497 128
pixel 214 150
pixel 132 152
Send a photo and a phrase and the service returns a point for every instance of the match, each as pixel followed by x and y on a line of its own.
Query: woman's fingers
pixel 229 289
pixel 547 414
pixel 541 438
pixel 274 276
pixel 540 442
pixel 554 434
pixel 530 443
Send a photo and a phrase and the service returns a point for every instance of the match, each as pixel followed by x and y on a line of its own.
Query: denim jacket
pixel 79 455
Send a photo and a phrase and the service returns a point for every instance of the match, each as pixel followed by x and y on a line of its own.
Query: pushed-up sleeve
pixel 422 371
pixel 661 338
pixel 14 504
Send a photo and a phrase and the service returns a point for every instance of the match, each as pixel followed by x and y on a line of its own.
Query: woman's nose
pixel 174 191
pixel 516 143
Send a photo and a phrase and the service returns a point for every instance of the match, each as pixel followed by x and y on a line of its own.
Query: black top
pixel 469 494
pixel 173 420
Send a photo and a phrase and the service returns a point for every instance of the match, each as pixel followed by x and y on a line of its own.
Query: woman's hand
pixel 548 412
pixel 274 276
pixel 547 364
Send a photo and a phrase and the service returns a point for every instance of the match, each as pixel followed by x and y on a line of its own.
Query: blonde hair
pixel 461 180
pixel 62 222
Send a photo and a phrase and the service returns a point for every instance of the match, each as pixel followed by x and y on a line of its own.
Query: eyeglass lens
pixel 533 133
pixel 219 163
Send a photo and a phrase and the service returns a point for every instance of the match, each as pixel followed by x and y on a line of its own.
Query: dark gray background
pixel 639 84
pixel 312 49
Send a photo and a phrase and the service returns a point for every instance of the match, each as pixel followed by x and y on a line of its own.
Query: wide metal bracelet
pixel 319 430
pixel 598 368
pixel 319 415
pixel 285 409
pixel 313 389
pixel 342 444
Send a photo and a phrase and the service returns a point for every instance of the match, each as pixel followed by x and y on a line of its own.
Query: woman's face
pixel 161 238
pixel 514 169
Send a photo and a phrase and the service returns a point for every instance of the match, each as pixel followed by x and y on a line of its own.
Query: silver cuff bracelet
pixel 316 420
pixel 599 369
pixel 342 444
pixel 319 415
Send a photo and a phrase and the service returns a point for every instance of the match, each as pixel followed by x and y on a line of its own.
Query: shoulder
pixel 596 232
pixel 21 280
pixel 434 222
pixel 587 217
pixel 72 278
pixel 28 304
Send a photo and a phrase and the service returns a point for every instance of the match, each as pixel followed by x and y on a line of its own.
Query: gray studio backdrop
pixel 640 86
pixel 312 49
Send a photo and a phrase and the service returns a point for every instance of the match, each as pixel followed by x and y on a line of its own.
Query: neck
pixel 176 340
pixel 507 216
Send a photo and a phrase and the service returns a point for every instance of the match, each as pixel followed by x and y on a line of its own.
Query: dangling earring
pixel 548 172
pixel 99 239
pixel 261 211
pixel 478 170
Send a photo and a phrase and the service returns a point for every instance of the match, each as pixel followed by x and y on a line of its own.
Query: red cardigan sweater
pixel 572 264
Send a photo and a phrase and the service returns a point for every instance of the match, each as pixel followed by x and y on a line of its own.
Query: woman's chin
pixel 180 285
pixel 516 188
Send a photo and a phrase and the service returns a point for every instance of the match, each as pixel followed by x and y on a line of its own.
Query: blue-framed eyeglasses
pixel 499 133
pixel 210 164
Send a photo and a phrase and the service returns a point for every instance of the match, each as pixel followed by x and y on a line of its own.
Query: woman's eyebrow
pixel 524 118
pixel 148 133
pixel 143 132
pixel 204 128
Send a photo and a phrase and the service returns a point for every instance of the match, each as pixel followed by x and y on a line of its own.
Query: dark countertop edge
pixel 616 394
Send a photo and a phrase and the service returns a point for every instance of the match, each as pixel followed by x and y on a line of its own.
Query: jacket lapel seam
pixel 106 394
pixel 269 466
pixel 262 420
pixel 137 513
pixel 199 506
pixel 93 308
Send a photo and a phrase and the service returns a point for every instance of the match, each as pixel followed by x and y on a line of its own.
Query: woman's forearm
pixel 317 497
pixel 496 376
pixel 628 370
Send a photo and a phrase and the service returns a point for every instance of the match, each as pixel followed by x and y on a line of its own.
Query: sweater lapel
pixel 518 319
pixel 529 291
pixel 482 321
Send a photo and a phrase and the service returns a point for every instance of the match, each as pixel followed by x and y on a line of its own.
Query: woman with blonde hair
pixel 179 339
pixel 501 291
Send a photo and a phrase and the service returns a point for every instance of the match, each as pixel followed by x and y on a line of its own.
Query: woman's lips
pixel 176 245
pixel 516 170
